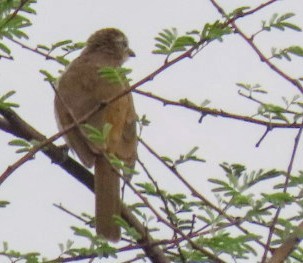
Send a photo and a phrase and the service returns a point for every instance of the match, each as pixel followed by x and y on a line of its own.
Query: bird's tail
pixel 107 192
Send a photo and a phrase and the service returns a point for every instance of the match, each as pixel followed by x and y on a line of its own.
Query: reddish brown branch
pixel 290 245
pixel 218 113
pixel 287 247
pixel 250 42
pixel 21 129
pixel 195 193
pixel 35 50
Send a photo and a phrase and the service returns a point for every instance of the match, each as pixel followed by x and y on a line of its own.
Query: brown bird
pixel 80 89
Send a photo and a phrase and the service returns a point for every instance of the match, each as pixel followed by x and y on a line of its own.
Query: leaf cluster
pixel 97 246
pixel 286 52
pixel 183 158
pixel 14 256
pixel 280 22
pixel 235 246
pixel 4 104
pixel 176 207
pixel 290 111
pixel 116 75
pixel 13 20
pixel 96 135
pixel 23 145
pixel 168 42
pixel 65 46
pixel 215 31
pixel 120 165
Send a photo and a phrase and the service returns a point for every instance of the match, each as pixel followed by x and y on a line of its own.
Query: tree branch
pixel 15 13
pixel 218 113
pixel 288 246
pixel 262 57
pixel 280 254
pixel 19 128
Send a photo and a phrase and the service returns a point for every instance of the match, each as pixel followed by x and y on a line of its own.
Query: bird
pixel 80 89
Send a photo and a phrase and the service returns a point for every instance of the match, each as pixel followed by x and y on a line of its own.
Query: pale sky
pixel 31 222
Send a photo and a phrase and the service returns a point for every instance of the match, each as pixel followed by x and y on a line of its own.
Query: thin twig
pixel 72 214
pixel 14 14
pixel 196 193
pixel 285 188
pixel 35 50
pixel 195 246
pixel 21 129
pixel 166 208
pixel 250 42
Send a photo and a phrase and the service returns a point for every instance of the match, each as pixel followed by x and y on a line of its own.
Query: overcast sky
pixel 30 222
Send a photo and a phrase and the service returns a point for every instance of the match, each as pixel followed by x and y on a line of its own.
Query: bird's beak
pixel 131 53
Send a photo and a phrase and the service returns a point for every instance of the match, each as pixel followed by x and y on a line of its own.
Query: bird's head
pixel 110 41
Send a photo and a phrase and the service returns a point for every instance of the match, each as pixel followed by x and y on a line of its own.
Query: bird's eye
pixel 124 44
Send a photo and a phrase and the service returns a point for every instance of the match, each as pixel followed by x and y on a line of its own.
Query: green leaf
pixel 255 88
pixel 285 16
pixel 119 164
pixel 144 121
pixel 3 101
pixel 292 26
pixel 130 231
pixel 5 246
pixel 279 22
pixel 278 199
pixel 223 242
pixel 238 12
pixel 116 75
pixel 61 43
pixel 273 108
pixel 7 95
pixel 4 204
pixel 296 50
pixel 205 103
pixel 23 145
pixel 215 31
pixel 167 159
pixel 74 46
pixel 62 60
pixel 19 34
pixel 82 232
pixel 5 49
pixel 96 135
pixel 43 47
pixel 148 188
pixel 48 76
pixel 240 200
pixel 168 42
pixel 261 176
pixel 189 157
pixel 28 9
pixel 19 142
pixel 187 102
pixel 224 187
